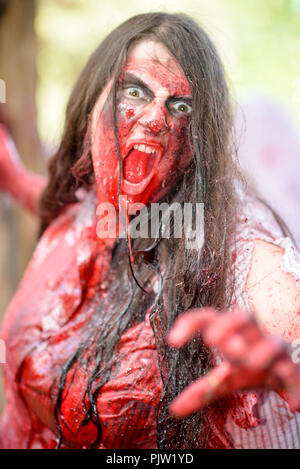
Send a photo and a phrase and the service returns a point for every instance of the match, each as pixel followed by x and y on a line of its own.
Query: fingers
pixel 202 392
pixel 189 324
pixel 285 377
pixel 224 326
pixel 253 360
pixel 234 347
pixel 264 352
pixel 228 332
pixel 218 330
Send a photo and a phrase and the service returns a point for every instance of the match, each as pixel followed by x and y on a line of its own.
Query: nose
pixel 154 119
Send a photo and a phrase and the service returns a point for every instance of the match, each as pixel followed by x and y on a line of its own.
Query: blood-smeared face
pixel 153 114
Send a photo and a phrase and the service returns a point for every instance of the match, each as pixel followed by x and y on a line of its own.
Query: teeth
pixel 144 148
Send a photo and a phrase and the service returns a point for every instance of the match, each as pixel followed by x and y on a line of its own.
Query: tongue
pixel 137 166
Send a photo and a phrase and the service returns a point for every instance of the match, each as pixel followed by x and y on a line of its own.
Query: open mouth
pixel 138 163
pixel 139 166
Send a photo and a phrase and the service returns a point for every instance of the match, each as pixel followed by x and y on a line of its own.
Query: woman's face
pixel 153 114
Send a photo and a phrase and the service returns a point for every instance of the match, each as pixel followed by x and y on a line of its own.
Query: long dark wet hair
pixel 186 278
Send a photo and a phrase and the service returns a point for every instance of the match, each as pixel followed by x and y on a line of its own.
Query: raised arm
pixel 24 186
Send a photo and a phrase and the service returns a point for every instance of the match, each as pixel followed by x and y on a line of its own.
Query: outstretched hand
pixel 251 360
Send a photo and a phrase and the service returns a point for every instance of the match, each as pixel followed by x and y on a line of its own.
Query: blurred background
pixel 45 43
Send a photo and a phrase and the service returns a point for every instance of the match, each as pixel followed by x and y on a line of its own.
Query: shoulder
pixel 66 229
pixel 267 269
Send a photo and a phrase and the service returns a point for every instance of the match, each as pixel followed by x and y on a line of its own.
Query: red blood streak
pixel 140 121
pixel 129 113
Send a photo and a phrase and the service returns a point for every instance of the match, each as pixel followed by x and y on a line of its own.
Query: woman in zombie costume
pixel 91 361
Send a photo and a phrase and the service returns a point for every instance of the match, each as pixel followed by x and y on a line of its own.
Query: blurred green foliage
pixel 259 41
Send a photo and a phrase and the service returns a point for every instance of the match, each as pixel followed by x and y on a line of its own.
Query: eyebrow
pixel 131 79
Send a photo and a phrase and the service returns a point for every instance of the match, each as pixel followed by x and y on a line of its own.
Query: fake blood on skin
pixel 130 113
pixel 43 325
pixel 60 260
pixel 149 123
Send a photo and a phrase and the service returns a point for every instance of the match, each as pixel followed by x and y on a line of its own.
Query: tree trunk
pixel 19 114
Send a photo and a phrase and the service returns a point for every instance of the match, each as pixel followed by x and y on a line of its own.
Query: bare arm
pixel 273 293
pixel 23 185
pixel 252 358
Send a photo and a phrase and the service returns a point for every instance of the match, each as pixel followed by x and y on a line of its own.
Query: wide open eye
pixel 134 92
pixel 181 107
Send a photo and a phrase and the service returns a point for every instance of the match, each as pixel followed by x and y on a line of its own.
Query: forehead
pixel 153 63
